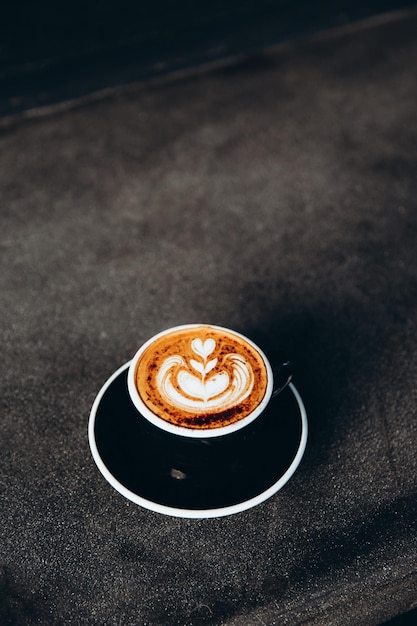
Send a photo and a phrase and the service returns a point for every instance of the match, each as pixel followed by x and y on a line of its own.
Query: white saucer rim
pixel 194 513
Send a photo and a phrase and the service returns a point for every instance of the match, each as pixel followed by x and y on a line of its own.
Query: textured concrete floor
pixel 276 196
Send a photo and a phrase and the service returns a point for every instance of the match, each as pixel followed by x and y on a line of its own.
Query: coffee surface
pixel 201 377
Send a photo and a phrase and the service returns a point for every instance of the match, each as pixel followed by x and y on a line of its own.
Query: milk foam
pixel 200 377
pixel 194 387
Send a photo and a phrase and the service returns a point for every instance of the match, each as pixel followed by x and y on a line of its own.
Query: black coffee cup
pixel 175 377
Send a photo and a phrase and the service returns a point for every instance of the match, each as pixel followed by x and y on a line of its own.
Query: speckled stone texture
pixel 276 196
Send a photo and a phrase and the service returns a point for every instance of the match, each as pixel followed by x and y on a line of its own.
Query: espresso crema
pixel 201 377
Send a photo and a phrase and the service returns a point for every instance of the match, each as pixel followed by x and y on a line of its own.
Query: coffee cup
pixel 203 381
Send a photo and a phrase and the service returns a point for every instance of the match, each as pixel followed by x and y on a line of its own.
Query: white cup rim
pixel 205 433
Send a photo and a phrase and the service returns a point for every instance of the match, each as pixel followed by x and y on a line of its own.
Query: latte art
pixel 201 377
pixel 199 391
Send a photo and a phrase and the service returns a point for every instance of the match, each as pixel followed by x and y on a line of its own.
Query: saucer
pixel 195 478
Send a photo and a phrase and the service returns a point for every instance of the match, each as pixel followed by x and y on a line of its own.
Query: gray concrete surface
pixel 276 197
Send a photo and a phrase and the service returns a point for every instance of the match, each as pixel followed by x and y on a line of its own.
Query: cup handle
pixel 283 374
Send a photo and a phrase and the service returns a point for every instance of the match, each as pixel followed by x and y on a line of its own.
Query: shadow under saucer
pixel 193 477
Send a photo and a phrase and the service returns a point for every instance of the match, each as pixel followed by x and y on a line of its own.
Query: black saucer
pixel 190 477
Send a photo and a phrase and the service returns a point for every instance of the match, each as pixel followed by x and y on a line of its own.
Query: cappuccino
pixel 201 377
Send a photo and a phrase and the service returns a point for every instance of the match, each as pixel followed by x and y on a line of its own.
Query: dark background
pixel 63 213
pixel 53 51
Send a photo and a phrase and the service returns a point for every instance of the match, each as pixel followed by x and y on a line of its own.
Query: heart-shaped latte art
pixel 203 349
pixel 200 377
pixel 218 386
